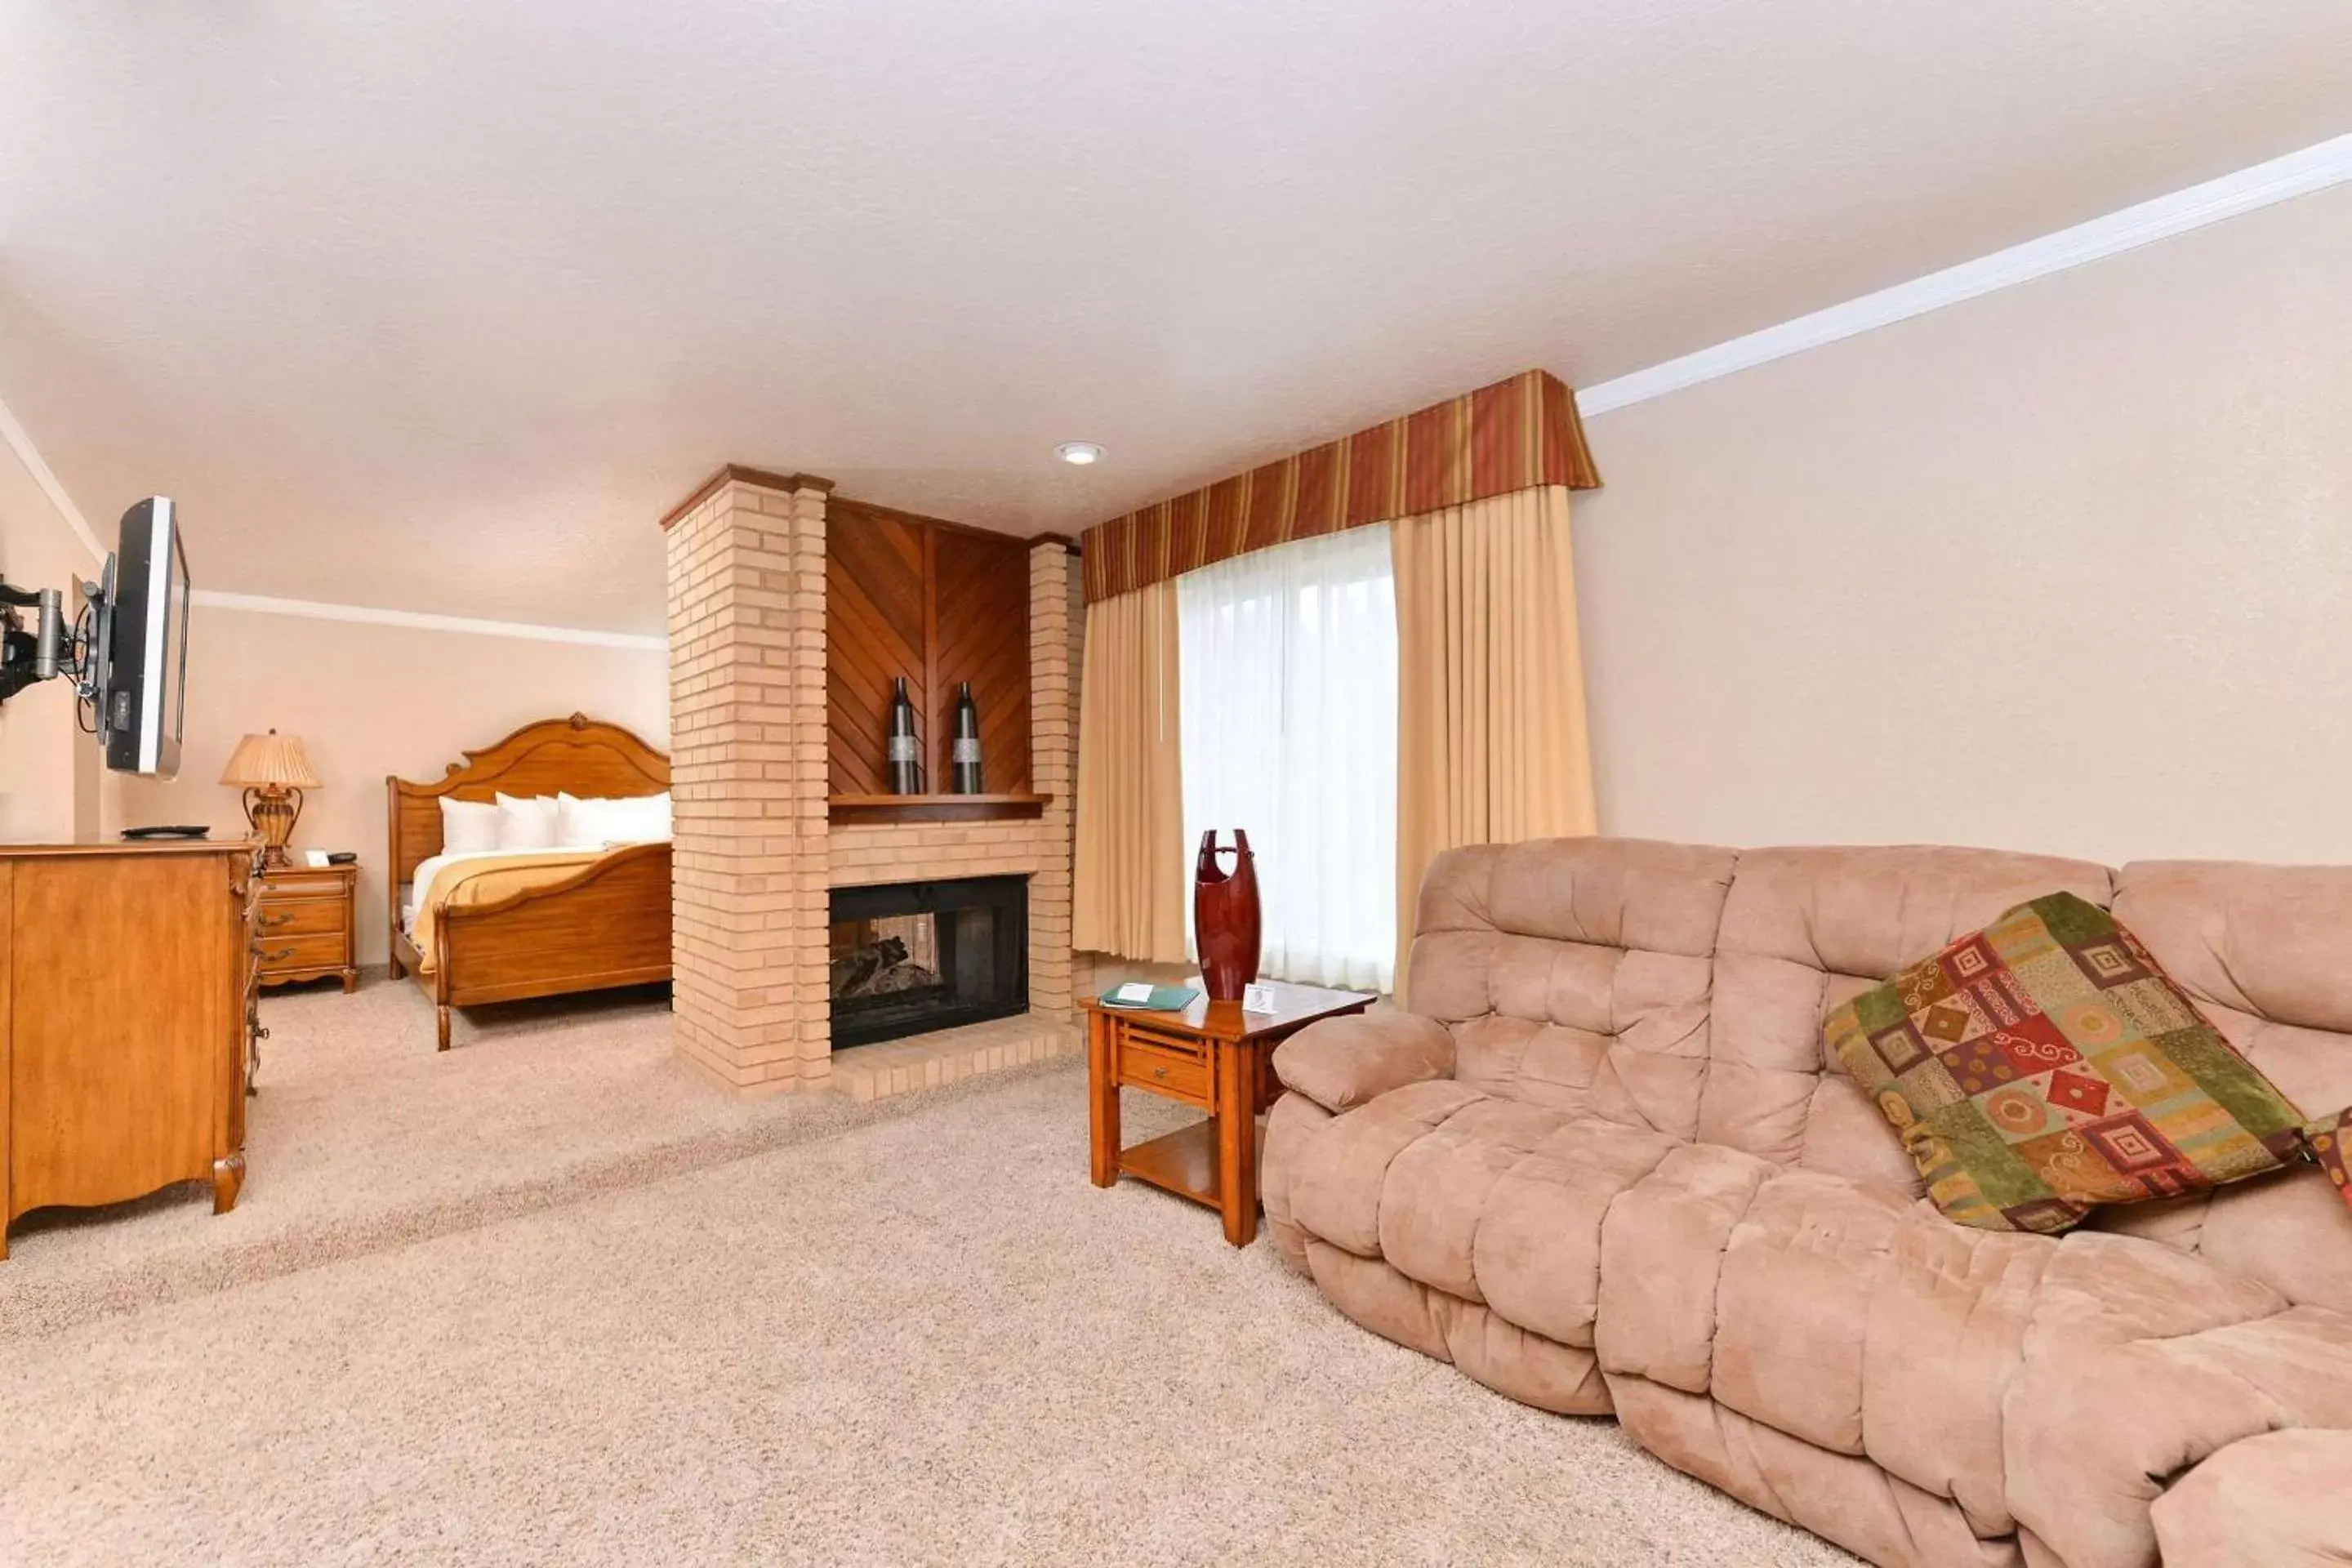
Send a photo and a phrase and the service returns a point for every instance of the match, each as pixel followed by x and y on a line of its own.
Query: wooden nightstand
pixel 305 928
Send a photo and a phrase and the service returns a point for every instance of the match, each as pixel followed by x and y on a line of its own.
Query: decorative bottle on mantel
pixel 1225 917
pixel 904 756
pixel 965 775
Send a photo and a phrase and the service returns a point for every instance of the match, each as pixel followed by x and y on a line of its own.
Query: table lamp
pixel 274 770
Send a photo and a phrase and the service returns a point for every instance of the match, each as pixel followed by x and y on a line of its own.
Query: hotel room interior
pixel 1363 782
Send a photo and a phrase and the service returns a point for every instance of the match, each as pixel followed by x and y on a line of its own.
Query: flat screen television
pixel 140 648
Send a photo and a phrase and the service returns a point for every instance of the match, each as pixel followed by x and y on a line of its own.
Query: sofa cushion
pixel 2046 1065
pixel 2327 1136
pixel 2140 1364
pixel 1835 1313
pixel 1505 1203
pixel 1491 1200
pixel 1334 1181
pixel 1662 1257
pixel 1485 1215
pixel 1538 1251
pixel 1485 1346
pixel 1574 972
pixel 2259 950
pixel 1436 1188
pixel 2277 1500
pixel 1807 929
pixel 1848 1500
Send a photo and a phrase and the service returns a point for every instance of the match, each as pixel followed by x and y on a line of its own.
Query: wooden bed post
pixel 441 983
pixel 392 873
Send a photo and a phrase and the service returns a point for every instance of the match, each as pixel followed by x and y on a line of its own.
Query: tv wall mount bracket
pixel 50 647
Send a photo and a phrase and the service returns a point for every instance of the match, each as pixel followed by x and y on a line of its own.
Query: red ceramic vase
pixel 1225 917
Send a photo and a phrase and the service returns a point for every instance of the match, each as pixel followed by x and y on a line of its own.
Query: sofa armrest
pixel 2279 1500
pixel 1343 1062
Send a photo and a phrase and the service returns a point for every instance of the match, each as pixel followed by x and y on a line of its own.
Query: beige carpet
pixel 364 1137
pixel 909 1333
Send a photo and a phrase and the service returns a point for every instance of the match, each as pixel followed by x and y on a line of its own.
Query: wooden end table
pixel 1213 1055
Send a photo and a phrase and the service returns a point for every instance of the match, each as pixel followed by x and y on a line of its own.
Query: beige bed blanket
pixel 468 884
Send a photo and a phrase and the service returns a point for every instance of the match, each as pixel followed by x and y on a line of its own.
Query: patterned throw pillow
pixel 2330 1137
pixel 2044 1065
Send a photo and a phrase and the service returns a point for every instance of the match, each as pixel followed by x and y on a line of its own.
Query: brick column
pixel 1053 769
pixel 748 772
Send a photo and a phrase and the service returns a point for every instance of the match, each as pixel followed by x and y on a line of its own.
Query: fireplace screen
pixel 917 956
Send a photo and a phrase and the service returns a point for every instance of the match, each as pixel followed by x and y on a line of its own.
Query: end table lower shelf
pixel 1183 1163
pixel 1214 1056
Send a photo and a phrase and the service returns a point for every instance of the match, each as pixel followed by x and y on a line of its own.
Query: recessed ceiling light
pixel 1080 452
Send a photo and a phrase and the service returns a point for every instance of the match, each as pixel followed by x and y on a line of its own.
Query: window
pixel 1288 707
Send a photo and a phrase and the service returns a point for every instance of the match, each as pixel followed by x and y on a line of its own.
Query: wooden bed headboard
pixel 579 755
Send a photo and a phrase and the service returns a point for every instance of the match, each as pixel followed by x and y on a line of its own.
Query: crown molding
pixel 2316 168
pixel 21 443
pixel 417 620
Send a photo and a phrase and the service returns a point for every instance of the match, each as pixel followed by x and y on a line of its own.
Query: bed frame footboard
pixel 607 925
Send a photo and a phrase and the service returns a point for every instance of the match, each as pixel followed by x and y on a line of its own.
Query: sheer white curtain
pixel 1288 704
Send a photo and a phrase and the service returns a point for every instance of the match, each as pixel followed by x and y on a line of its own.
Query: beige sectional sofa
pixel 1604 1165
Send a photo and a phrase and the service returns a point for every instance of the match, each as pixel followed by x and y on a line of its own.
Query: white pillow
pixel 526 823
pixel 651 817
pixel 467 827
pixel 632 819
pixel 590 823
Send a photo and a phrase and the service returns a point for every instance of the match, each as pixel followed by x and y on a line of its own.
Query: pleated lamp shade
pixel 275 770
pixel 260 761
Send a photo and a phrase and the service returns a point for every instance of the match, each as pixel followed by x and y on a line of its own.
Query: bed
pixel 541 924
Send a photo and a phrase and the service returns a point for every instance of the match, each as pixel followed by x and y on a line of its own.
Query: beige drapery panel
pixel 1491 739
pixel 1128 892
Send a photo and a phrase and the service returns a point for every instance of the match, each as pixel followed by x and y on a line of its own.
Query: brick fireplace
pixel 757 853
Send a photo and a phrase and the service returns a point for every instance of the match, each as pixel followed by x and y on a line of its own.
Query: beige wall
pixel 48 770
pixel 372 700
pixel 2066 568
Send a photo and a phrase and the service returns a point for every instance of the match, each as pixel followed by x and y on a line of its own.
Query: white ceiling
pixel 438 305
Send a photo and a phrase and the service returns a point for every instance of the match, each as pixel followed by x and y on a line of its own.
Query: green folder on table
pixel 1143 998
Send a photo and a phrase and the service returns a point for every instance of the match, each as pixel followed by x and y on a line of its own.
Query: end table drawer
pixel 1174 1044
pixel 1184 1078
pixel 300 916
pixel 304 885
pixel 281 952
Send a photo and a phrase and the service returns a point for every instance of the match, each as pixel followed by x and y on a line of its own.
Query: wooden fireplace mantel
pixel 871 808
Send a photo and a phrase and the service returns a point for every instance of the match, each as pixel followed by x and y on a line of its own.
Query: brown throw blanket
pixel 468 884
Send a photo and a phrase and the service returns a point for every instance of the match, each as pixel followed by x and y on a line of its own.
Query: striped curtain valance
pixel 1516 434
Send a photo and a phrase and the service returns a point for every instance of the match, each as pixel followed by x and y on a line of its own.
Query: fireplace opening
pixel 911 957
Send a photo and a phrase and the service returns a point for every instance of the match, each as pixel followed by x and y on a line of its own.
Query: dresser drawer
pixel 281 952
pixel 1179 1077
pixel 300 916
pixel 303 885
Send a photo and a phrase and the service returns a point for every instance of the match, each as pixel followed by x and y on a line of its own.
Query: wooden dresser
pixel 305 928
pixel 126 1021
